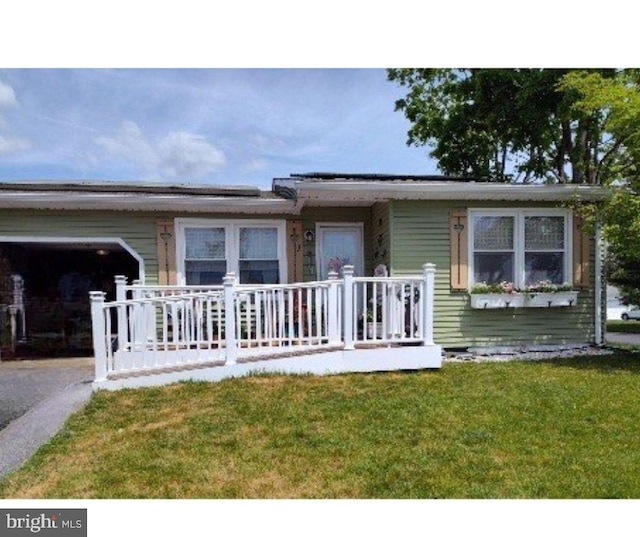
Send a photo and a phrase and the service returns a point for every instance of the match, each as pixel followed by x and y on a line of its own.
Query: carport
pixel 50 314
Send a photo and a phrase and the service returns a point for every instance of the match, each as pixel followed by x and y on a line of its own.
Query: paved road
pixel 36 398
pixel 619 337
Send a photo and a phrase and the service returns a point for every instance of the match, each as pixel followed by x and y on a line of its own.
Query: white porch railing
pixel 151 328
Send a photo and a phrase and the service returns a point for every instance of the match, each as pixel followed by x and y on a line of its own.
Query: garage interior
pixel 44 295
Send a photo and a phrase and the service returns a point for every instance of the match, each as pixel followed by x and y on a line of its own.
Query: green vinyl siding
pixel 137 230
pixel 420 234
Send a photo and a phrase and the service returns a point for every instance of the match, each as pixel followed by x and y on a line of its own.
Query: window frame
pixel 519 239
pixel 232 242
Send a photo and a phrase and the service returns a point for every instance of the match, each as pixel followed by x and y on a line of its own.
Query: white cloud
pixel 179 154
pixel 7 96
pixel 186 154
pixel 11 145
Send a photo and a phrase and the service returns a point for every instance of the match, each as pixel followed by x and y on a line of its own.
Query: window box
pixel 486 301
pixel 551 300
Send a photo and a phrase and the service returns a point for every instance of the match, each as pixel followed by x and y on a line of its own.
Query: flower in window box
pixel 494 288
pixel 545 294
pixel 545 286
pixel 496 295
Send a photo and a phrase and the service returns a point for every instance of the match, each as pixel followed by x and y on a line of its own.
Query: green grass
pixel 555 429
pixel 629 327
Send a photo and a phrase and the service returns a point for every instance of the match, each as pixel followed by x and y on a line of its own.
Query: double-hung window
pixel 205 258
pixel 520 246
pixel 209 249
pixel 258 260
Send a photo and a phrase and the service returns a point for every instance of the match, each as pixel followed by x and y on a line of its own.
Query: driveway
pixel 36 398
pixel 25 383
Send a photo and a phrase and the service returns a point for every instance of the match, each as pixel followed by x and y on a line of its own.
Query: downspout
pixel 598 340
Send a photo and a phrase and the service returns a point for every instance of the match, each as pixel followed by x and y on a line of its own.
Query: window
pixel 494 253
pixel 259 255
pixel 209 249
pixel 523 247
pixel 205 257
pixel 544 249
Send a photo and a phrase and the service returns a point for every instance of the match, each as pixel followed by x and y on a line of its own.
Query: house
pixel 64 239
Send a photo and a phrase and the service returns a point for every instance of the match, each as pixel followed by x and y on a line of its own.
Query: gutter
pixel 375 191
pixel 598 336
pixel 125 201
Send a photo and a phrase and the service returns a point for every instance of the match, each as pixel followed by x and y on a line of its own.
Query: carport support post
pixel 98 332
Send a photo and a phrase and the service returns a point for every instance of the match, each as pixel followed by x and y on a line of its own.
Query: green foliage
pixel 546 286
pixel 483 288
pixel 627 327
pixel 616 103
pixel 502 124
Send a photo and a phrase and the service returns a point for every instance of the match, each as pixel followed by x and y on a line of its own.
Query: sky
pixel 207 125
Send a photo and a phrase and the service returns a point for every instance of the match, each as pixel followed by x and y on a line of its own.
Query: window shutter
pixel 166 240
pixel 581 253
pixel 294 250
pixel 458 236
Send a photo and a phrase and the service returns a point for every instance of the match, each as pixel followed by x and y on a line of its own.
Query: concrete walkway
pixel 36 398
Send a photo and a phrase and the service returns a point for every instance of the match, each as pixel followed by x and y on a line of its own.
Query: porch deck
pixel 154 335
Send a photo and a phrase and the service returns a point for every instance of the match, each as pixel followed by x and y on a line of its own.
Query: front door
pixel 339 245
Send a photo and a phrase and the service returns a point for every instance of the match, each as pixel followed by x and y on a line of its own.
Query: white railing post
pixel 121 296
pixel 347 273
pixel 231 350
pixel 98 333
pixel 428 288
pixel 138 325
pixel 333 315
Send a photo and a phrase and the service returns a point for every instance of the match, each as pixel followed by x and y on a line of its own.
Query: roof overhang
pixel 191 199
pixel 350 193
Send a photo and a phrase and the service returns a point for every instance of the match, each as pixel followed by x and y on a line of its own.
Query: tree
pixel 616 102
pixel 502 124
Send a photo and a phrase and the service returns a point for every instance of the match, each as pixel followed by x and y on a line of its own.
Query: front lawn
pixel 555 429
pixel 628 327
